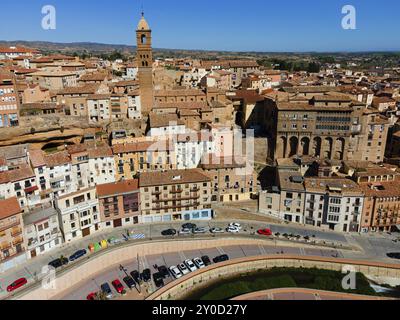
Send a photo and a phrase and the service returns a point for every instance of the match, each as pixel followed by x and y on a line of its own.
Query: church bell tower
pixel 144 58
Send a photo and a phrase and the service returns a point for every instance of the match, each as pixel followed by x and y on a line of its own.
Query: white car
pixel 191 266
pixel 217 230
pixel 236 225
pixel 185 231
pixel 175 272
pixel 199 263
pixel 183 269
pixel 232 229
pixel 200 230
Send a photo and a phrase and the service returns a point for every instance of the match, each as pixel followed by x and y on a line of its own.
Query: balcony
pixel 9 225
pixel 18 241
pixel 15 233
pixel 177 191
pixel 156 193
pixel 194 197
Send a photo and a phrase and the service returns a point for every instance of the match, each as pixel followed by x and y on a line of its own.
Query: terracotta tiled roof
pixel 117 188
pixel 9 207
pixel 100 152
pixel 37 158
pixel 57 159
pixel 170 177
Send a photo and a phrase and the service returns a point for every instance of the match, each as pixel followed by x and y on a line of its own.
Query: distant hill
pixel 71 47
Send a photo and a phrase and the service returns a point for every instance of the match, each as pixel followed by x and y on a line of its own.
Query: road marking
pixel 182 256
pixel 144 262
pixel 302 251
pixel 220 250
pixel 262 249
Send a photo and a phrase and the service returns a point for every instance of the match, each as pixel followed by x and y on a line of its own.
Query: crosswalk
pixel 137 236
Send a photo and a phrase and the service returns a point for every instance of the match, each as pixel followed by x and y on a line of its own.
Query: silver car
pixel 191 266
pixel 199 263
pixel 185 231
pixel 217 230
pixel 200 230
pixel 175 272
pixel 183 269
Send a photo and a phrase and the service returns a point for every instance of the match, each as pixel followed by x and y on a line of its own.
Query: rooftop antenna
pixel 142 7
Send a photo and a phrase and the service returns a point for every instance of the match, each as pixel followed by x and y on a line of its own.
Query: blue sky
pixel 242 25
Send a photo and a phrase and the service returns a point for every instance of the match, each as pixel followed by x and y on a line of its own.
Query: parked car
pixel 158 279
pixel 185 231
pixel 164 271
pixel 217 230
pixel 394 255
pixel 199 263
pixel 77 255
pixel 169 232
pixel 265 232
pixel 175 272
pixel 221 258
pixel 146 275
pixel 236 225
pixel 199 230
pixel 17 284
pixel 191 266
pixel 129 282
pixel 189 226
pixel 206 260
pixel 182 267
pixel 105 287
pixel 232 229
pixel 118 286
pixel 58 263
pixel 135 276
pixel 91 296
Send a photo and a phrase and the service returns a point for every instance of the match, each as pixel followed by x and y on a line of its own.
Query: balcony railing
pixel 9 225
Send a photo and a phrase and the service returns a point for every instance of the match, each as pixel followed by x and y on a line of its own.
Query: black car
pixel 221 258
pixel 169 232
pixel 146 275
pixel 129 282
pixel 164 271
pixel 158 279
pixel 58 263
pixel 135 275
pixel 77 255
pixel 206 260
pixel 394 255
pixel 189 226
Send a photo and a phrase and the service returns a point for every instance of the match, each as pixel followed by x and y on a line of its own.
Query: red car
pixel 91 296
pixel 118 286
pixel 17 284
pixel 265 232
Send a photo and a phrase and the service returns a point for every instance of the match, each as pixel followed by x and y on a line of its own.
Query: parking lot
pixel 371 247
pixel 173 259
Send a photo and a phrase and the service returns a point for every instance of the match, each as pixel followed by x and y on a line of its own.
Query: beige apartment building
pixel 175 195
pixel 55 80
pixel 231 179
pixel 11 231
pixel 78 214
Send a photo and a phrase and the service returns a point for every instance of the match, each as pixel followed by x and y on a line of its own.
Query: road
pixel 371 247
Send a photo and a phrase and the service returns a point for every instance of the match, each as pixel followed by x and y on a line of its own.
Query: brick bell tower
pixel 144 57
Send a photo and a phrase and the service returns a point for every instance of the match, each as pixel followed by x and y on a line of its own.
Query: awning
pixel 31 189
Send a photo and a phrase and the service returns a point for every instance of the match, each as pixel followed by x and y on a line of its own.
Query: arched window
pixel 143 39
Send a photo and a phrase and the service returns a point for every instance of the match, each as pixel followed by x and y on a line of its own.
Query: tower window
pixel 143 39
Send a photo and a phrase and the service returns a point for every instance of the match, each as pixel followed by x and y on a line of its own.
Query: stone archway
pixel 317 143
pixel 305 146
pixel 293 146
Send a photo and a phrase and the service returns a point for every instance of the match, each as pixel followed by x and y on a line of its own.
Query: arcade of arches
pixel 323 147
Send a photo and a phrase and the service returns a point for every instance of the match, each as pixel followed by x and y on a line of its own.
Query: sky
pixel 231 25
